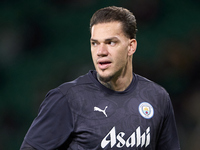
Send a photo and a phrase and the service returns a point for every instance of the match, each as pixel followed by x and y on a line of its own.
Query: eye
pixel 94 43
pixel 112 43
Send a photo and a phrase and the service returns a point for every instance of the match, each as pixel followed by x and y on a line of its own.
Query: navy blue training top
pixel 85 115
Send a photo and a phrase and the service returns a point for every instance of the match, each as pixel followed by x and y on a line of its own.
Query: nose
pixel 102 50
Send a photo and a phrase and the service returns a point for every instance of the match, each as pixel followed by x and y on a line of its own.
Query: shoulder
pixel 81 81
pixel 65 95
pixel 66 90
pixel 150 85
pixel 154 94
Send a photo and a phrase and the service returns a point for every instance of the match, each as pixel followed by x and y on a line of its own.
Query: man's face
pixel 110 50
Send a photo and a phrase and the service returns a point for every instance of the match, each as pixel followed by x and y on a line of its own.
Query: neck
pixel 119 83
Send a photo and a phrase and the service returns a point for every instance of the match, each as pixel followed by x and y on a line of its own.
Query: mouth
pixel 104 64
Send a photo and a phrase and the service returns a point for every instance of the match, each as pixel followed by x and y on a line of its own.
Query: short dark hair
pixel 120 14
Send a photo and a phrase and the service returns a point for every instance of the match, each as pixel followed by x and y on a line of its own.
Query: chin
pixel 104 77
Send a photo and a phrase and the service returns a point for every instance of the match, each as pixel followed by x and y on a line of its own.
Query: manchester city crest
pixel 146 110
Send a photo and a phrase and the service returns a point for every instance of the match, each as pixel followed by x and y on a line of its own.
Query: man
pixel 111 107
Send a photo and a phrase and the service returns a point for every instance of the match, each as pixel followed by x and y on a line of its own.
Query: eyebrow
pixel 108 39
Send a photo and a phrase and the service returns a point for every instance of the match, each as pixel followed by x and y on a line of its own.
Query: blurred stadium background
pixel 46 43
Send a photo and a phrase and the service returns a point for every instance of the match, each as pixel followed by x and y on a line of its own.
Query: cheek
pixel 94 57
pixel 121 55
pixel 92 52
pixel 120 60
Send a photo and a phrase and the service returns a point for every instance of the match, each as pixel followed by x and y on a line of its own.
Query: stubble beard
pixel 107 81
pixel 104 79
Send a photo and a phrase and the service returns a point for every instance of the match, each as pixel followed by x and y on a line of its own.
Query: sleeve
pixel 168 139
pixel 53 125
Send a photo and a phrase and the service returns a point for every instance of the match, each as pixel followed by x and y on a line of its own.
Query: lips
pixel 103 64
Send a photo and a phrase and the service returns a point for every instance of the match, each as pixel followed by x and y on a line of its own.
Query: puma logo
pixel 100 110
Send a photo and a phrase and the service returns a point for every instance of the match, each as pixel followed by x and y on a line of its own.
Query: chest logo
pixel 100 110
pixel 136 139
pixel 146 110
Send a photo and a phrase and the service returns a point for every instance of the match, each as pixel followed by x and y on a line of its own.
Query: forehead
pixel 105 30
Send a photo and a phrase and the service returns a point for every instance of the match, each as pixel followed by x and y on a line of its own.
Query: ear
pixel 132 47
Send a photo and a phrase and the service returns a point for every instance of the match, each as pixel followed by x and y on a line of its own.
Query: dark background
pixel 46 43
